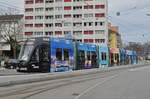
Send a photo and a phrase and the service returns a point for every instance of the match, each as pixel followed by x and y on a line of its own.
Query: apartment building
pixel 85 20
pixel 114 37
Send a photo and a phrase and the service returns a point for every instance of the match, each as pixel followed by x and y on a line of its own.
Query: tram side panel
pixel 114 56
pixel 103 56
pixel 134 57
pixel 86 56
pixel 122 56
pixel 61 55
pixel 129 57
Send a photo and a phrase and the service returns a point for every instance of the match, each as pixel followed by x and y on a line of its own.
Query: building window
pixel 58 24
pixel 88 23
pixel 49 9
pixel 88 15
pixel 79 40
pixel 99 23
pixel 99 31
pixel 38 25
pixel 77 32
pixel 88 7
pixel 39 9
pixel 67 8
pixel 99 40
pixel 29 10
pixel 38 17
pixel 88 32
pixel 88 40
pixel 88 0
pixel 77 24
pixel 49 17
pixel 67 24
pixel 49 33
pixel 39 1
pixel 28 17
pixel 58 1
pixel 58 32
pixel 77 8
pixel 58 16
pixel 28 33
pixel 49 25
pixel 67 0
pixel 77 16
pixel 29 2
pixel 67 16
pixel 67 32
pixel 38 33
pixel 49 1
pixel 99 6
pixel 99 15
pixel 58 8
pixel 77 0
pixel 28 25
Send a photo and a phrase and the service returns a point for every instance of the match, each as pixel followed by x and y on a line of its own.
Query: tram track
pixel 31 90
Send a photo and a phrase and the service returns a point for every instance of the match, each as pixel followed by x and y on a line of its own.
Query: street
pixel 121 84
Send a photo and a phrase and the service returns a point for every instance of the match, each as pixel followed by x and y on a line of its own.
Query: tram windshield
pixel 25 52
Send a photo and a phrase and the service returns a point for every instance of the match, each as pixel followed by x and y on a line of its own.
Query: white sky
pixel 133 22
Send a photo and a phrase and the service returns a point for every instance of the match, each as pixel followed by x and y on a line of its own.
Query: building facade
pixel 11 27
pixel 85 20
pixel 114 36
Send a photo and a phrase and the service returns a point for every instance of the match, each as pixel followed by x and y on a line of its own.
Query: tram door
pixel 94 60
pixel 44 57
pixel 81 60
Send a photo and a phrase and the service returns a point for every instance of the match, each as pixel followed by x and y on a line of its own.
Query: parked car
pixel 11 63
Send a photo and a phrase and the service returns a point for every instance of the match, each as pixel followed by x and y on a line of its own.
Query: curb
pixel 69 74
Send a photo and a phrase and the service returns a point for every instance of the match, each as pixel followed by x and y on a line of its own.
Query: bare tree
pixel 11 31
pixel 139 48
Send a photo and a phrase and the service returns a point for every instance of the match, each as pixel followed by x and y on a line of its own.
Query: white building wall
pixel 72 20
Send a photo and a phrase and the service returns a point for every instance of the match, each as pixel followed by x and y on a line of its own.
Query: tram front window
pixel 25 52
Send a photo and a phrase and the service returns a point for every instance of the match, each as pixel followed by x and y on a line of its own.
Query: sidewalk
pixel 23 79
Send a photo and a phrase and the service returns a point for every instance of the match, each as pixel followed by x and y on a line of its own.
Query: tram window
pixel 81 54
pixel 44 53
pixel 94 56
pixel 112 57
pixel 59 54
pixel 115 56
pixel 103 56
pixel 88 55
pixel 66 54
pixel 35 56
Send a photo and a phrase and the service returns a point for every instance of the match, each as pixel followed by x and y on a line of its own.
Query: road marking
pixel 90 88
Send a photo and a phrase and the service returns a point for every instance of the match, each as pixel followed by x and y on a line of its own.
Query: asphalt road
pixel 120 84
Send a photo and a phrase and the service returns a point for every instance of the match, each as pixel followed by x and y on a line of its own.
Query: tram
pixel 48 54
